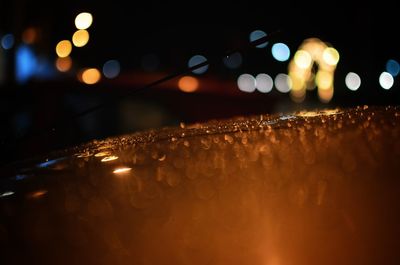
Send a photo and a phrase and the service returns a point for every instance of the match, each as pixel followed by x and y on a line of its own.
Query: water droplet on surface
pixel 228 138
pixel 162 158
pixel 109 158
pixel 100 154
pixel 205 144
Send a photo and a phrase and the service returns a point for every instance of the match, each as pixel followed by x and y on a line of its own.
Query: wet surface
pixel 302 188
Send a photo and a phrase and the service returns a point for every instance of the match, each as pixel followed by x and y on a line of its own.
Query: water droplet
pixel 162 158
pixel 100 154
pixel 228 138
pixel 205 144
pixel 83 155
pixel 109 158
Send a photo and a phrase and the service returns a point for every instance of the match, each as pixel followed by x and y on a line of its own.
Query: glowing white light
pixel 264 83
pixel 331 56
pixel 280 52
pixel 302 59
pixel 111 69
pixel 258 34
pixel 283 83
pixel 246 83
pixel 196 60
pixel 353 81
pixel 6 193
pixel 386 80
pixel 233 61
pixel 83 20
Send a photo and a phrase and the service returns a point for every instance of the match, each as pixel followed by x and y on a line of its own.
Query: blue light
pixel 393 67
pixel 258 34
pixel 51 162
pixel 25 63
pixel 21 177
pixel 7 41
pixel 280 52
pixel 111 69
pixel 44 69
pixel 196 60
pixel 22 121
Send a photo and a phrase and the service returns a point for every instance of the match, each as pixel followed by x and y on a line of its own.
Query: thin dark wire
pixel 251 44
pixel 64 122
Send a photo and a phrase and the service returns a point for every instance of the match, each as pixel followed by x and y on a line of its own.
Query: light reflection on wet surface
pixel 317 187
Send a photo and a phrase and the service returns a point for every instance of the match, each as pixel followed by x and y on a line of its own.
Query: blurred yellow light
pixel 330 56
pixel 302 59
pixel 91 76
pixel 188 84
pixel 303 75
pixel 325 95
pixel 324 79
pixel 63 64
pixel 83 20
pixel 63 48
pixel 80 38
pixel 314 47
pixel 298 95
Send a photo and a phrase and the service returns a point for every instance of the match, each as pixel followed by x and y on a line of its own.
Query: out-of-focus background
pixel 60 58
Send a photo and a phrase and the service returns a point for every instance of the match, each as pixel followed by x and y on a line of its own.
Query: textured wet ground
pixel 303 188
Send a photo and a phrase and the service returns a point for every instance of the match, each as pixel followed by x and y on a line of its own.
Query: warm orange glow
pixel 63 64
pixel 122 170
pixel 80 38
pixel 64 48
pixel 29 36
pixel 36 194
pixel 90 76
pixel 188 84
pixel 109 158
